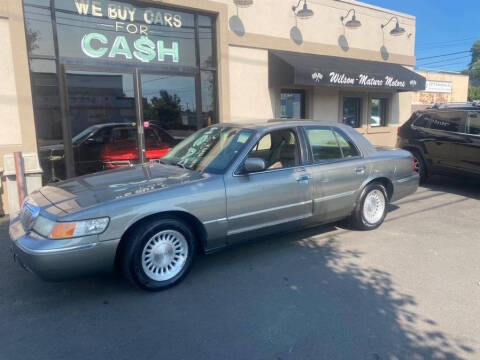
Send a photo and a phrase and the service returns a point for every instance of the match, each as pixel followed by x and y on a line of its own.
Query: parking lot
pixel 409 290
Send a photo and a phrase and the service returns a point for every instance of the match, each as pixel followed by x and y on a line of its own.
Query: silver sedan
pixel 224 184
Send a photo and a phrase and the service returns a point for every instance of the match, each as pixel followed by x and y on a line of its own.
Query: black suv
pixel 444 139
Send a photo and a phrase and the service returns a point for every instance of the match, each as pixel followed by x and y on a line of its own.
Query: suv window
pixel 473 123
pixel 323 143
pixel 422 121
pixel 450 121
pixel 279 149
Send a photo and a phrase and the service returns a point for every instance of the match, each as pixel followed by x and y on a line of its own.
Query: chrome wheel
pixel 374 206
pixel 164 255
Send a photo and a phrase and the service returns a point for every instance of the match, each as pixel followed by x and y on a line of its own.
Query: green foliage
pixel 165 109
pixel 473 70
pixel 475 63
pixel 473 93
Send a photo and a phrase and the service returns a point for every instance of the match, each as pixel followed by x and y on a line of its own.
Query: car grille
pixel 28 215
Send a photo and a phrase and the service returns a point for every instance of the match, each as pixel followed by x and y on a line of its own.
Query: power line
pixel 443 55
pixel 450 41
pixel 449 59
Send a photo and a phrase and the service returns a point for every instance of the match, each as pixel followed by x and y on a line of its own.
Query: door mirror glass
pixel 254 165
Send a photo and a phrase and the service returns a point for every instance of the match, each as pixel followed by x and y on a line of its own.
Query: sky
pixel 443 27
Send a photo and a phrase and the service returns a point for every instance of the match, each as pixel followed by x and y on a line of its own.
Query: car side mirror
pixel 254 165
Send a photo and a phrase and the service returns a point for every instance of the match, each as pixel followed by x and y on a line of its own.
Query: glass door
pixel 102 119
pixel 169 104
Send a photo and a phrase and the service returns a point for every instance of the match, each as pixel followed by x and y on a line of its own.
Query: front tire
pixel 159 254
pixel 371 209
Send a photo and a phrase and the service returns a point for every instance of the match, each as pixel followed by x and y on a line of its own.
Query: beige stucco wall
pixel 17 127
pixel 459 89
pixel 266 20
pixel 250 97
pixel 10 133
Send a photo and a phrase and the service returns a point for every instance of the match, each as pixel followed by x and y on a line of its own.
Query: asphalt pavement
pixel 408 290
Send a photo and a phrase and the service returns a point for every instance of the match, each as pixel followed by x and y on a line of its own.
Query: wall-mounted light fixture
pixel 353 23
pixel 304 13
pixel 397 30
pixel 243 3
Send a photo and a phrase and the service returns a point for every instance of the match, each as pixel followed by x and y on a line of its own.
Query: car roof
pixel 280 124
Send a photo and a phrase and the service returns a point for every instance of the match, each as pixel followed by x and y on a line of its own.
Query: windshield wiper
pixel 181 165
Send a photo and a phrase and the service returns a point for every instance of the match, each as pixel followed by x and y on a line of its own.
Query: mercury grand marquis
pixel 220 186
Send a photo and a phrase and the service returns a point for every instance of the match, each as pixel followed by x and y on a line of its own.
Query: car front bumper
pixel 56 260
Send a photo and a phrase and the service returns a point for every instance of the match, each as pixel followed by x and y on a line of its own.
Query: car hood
pixel 89 190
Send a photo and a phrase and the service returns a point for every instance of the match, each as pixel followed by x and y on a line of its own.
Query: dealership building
pixel 95 84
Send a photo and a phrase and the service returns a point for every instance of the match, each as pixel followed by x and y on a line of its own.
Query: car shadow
pixel 289 296
pixel 460 185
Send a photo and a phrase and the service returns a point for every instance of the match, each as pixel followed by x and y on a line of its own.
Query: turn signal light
pixel 63 230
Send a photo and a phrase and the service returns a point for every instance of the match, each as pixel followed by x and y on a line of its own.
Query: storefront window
pixel 205 35
pixel 352 112
pixel 117 32
pixel 102 120
pixel 108 59
pixel 39 30
pixel 292 104
pixel 378 112
pixel 169 102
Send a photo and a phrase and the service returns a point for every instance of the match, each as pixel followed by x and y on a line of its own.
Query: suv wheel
pixel 419 165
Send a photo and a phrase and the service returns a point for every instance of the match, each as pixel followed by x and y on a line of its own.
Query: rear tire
pixel 159 254
pixel 420 165
pixel 371 208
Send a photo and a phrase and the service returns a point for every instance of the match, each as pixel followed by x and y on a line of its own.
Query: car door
pixel 279 194
pixel 88 153
pixel 444 138
pixel 468 153
pixel 338 171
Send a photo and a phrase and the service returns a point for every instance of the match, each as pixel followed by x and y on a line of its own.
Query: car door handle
pixel 304 177
pixel 360 170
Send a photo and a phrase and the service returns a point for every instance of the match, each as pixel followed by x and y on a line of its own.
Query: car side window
pixel 422 121
pixel 102 136
pixel 447 121
pixel 473 123
pixel 324 144
pixel 349 149
pixel 279 149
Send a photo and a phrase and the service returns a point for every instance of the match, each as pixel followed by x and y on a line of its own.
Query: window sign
pixel 120 32
pixel 438 86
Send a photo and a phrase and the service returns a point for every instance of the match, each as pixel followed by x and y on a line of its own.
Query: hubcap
pixel 374 206
pixel 164 255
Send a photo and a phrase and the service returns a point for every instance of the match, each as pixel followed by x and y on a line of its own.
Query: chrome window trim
pixel 333 129
pixel 295 130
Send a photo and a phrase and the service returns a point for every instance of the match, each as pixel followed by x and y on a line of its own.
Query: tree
pixel 165 109
pixel 473 72
pixel 473 93
pixel 475 63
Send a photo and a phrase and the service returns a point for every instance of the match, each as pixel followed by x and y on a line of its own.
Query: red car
pixel 122 149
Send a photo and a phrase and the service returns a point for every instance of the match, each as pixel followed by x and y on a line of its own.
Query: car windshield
pixel 209 150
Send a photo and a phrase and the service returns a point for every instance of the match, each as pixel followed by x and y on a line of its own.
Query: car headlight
pixel 65 230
